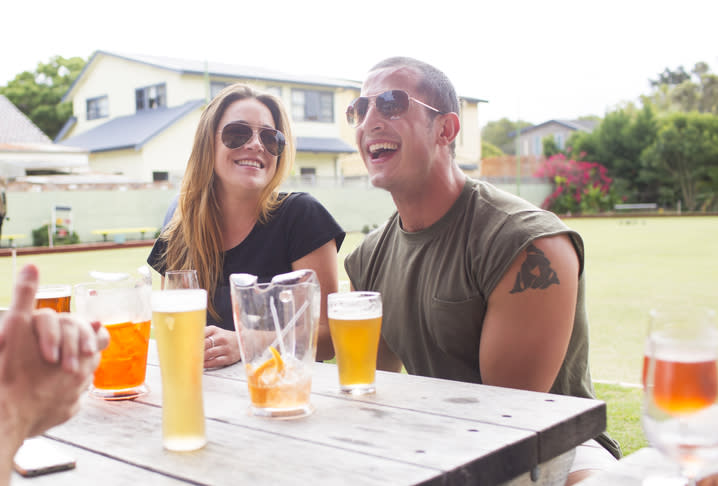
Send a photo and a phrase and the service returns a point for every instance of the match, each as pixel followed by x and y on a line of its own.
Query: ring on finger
pixel 211 341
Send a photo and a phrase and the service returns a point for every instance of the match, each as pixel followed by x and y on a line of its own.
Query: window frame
pixel 161 97
pixel 96 101
pixel 316 110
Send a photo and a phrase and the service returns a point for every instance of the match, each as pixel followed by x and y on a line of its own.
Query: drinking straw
pixel 290 325
pixel 282 351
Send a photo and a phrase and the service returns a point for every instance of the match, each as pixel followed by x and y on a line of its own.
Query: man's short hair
pixel 434 86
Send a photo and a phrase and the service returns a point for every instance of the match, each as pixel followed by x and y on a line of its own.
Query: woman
pixel 231 219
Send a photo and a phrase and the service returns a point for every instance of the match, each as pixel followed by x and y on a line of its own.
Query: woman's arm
pixel 323 261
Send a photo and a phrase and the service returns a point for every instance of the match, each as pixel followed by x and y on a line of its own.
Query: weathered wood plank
pixel 563 421
pixel 93 468
pixel 480 451
pixel 413 431
pixel 131 431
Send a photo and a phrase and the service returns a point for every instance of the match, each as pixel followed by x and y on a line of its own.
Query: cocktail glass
pixel 123 307
pixel 680 406
pixel 277 325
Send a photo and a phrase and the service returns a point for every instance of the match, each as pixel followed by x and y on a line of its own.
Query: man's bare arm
pixel 530 317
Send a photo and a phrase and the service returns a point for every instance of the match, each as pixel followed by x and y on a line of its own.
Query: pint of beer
pixel 54 297
pixel 179 318
pixel 355 325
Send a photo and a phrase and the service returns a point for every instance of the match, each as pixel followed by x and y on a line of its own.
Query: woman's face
pixel 247 169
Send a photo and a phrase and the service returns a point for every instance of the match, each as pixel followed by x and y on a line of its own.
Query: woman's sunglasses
pixel 391 104
pixel 235 134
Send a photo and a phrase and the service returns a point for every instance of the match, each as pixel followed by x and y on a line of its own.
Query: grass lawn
pixel 631 265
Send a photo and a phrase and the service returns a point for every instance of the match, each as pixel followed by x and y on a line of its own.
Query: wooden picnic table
pixel 123 231
pixel 414 430
pixel 11 238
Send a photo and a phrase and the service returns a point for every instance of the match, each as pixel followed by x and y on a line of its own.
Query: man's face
pixel 398 153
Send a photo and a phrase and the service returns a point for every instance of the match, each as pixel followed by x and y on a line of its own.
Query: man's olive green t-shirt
pixel 435 285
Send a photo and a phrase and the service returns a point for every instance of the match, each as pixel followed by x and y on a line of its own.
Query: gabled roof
pixel 327 145
pixel 217 69
pixel 131 131
pixel 15 127
pixel 578 125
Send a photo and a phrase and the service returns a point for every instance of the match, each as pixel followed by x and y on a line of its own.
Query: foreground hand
pixel 34 393
pixel 68 337
pixel 709 481
pixel 221 347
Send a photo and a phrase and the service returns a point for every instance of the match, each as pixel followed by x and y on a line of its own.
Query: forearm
pixel 13 435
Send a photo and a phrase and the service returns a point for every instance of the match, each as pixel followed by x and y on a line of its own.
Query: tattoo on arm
pixel 535 272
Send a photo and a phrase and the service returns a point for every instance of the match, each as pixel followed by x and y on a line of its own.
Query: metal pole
pixel 518 159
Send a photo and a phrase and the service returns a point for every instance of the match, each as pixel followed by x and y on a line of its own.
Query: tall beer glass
pixel 180 279
pixel 123 307
pixel 178 318
pixel 355 325
pixel 55 297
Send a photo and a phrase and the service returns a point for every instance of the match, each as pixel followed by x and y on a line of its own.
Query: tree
pixel 686 149
pixel 618 143
pixel 550 147
pixel 38 94
pixel 489 150
pixel 684 92
pixel 502 133
pixel 671 77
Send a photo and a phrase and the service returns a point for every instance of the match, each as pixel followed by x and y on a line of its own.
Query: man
pixel 477 285
pixel 46 363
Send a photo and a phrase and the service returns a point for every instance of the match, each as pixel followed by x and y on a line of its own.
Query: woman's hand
pixel 221 347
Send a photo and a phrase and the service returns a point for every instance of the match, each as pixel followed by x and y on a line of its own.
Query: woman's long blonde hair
pixel 194 234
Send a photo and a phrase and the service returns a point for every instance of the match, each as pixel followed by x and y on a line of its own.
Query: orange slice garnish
pixel 274 362
pixel 277 359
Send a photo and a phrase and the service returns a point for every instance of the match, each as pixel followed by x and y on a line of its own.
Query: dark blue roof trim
pixel 131 131
pixel 324 145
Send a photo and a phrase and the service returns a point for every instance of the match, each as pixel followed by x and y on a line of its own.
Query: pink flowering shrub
pixel 579 186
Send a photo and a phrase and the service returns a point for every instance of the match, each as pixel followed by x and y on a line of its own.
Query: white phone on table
pixel 39 455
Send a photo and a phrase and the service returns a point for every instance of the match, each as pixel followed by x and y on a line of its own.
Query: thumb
pixel 25 289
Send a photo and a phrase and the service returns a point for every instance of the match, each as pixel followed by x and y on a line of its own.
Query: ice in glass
pixel 277 324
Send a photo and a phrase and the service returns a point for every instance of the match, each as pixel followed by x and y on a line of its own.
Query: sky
pixel 531 60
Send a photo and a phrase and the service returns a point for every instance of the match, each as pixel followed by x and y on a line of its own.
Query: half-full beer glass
pixel 355 325
pixel 178 318
pixel 55 297
pixel 277 326
pixel 123 307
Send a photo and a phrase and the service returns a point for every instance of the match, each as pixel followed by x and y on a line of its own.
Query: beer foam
pixel 53 292
pixel 179 300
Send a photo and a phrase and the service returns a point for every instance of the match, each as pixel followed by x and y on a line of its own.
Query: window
pixel 98 107
pixel 537 145
pixel 308 175
pixel 274 91
pixel 312 105
pixel 160 176
pixel 558 138
pixel 151 97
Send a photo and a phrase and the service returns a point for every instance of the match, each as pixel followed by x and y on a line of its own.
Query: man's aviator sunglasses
pixel 235 134
pixel 391 104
